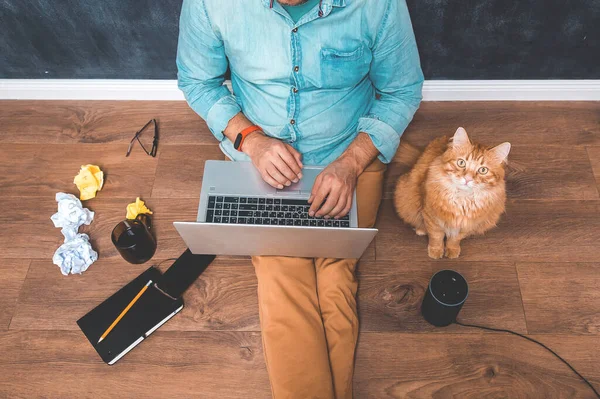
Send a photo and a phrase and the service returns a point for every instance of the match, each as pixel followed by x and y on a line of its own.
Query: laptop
pixel 240 214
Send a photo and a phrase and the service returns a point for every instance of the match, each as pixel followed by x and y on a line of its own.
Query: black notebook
pixel 151 310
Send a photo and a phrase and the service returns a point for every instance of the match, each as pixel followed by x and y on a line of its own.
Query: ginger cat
pixel 456 189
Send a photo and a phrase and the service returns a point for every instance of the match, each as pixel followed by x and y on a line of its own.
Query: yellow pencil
pixel 133 301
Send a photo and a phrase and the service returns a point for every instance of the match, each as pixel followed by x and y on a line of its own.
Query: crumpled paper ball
pixel 136 208
pixel 89 180
pixel 75 256
pixel 71 214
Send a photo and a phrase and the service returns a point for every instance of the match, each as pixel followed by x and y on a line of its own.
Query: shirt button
pixel 293 122
pixel 296 68
pixel 295 90
pixel 295 30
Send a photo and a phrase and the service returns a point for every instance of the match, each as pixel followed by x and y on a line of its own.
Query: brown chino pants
pixel 308 312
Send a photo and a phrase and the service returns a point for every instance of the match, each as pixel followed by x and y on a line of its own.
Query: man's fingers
pixel 339 207
pixel 291 162
pixel 347 208
pixel 327 207
pixel 315 190
pixel 275 174
pixel 285 169
pixel 297 156
pixel 315 207
pixel 270 181
pixel 317 201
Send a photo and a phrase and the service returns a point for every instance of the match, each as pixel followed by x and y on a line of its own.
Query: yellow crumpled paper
pixel 136 208
pixel 89 180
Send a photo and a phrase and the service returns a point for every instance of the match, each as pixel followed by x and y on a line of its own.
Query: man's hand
pixel 334 187
pixel 279 164
pixel 332 192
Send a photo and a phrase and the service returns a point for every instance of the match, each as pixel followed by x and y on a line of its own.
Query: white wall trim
pixel 511 90
pixel 89 89
pixel 433 90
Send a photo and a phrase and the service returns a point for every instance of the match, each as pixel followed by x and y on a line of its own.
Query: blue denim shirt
pixel 347 66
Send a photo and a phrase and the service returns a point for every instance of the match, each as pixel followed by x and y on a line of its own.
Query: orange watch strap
pixel 242 135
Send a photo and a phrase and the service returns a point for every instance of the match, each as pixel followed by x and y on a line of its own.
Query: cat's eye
pixel 461 163
pixel 483 170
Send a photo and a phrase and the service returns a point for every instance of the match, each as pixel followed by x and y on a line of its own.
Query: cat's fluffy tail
pixel 407 154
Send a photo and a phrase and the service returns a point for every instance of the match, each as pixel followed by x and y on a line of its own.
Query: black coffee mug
pixel 446 293
pixel 134 240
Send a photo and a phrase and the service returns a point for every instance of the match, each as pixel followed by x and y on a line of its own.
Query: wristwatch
pixel 239 140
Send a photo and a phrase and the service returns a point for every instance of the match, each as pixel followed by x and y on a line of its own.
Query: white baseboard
pixel 433 90
pixel 89 89
pixel 511 90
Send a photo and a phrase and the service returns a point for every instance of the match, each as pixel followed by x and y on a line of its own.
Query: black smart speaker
pixel 444 297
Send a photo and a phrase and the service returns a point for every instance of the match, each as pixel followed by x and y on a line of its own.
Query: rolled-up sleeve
pixel 201 65
pixel 398 80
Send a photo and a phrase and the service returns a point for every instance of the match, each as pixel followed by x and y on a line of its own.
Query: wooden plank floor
pixel 538 273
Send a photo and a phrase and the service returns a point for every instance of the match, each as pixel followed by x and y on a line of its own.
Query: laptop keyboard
pixel 266 211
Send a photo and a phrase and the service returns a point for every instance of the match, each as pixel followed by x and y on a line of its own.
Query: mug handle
pixel 145 220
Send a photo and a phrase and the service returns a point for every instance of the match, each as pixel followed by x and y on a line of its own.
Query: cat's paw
pixel 420 232
pixel 452 253
pixel 435 252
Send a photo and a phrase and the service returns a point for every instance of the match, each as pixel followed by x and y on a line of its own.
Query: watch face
pixel 238 141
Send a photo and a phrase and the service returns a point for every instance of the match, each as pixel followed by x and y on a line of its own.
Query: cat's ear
pixel 500 152
pixel 460 138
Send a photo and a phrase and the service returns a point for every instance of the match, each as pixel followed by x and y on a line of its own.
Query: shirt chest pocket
pixel 344 68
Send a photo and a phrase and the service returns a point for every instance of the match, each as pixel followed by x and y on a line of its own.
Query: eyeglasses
pixel 152 152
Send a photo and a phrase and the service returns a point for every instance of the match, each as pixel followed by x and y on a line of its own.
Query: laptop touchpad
pixel 304 186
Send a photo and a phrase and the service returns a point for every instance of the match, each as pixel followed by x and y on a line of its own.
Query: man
pixel 330 82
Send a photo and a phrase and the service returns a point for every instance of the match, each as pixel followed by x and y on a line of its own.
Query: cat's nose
pixel 468 179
